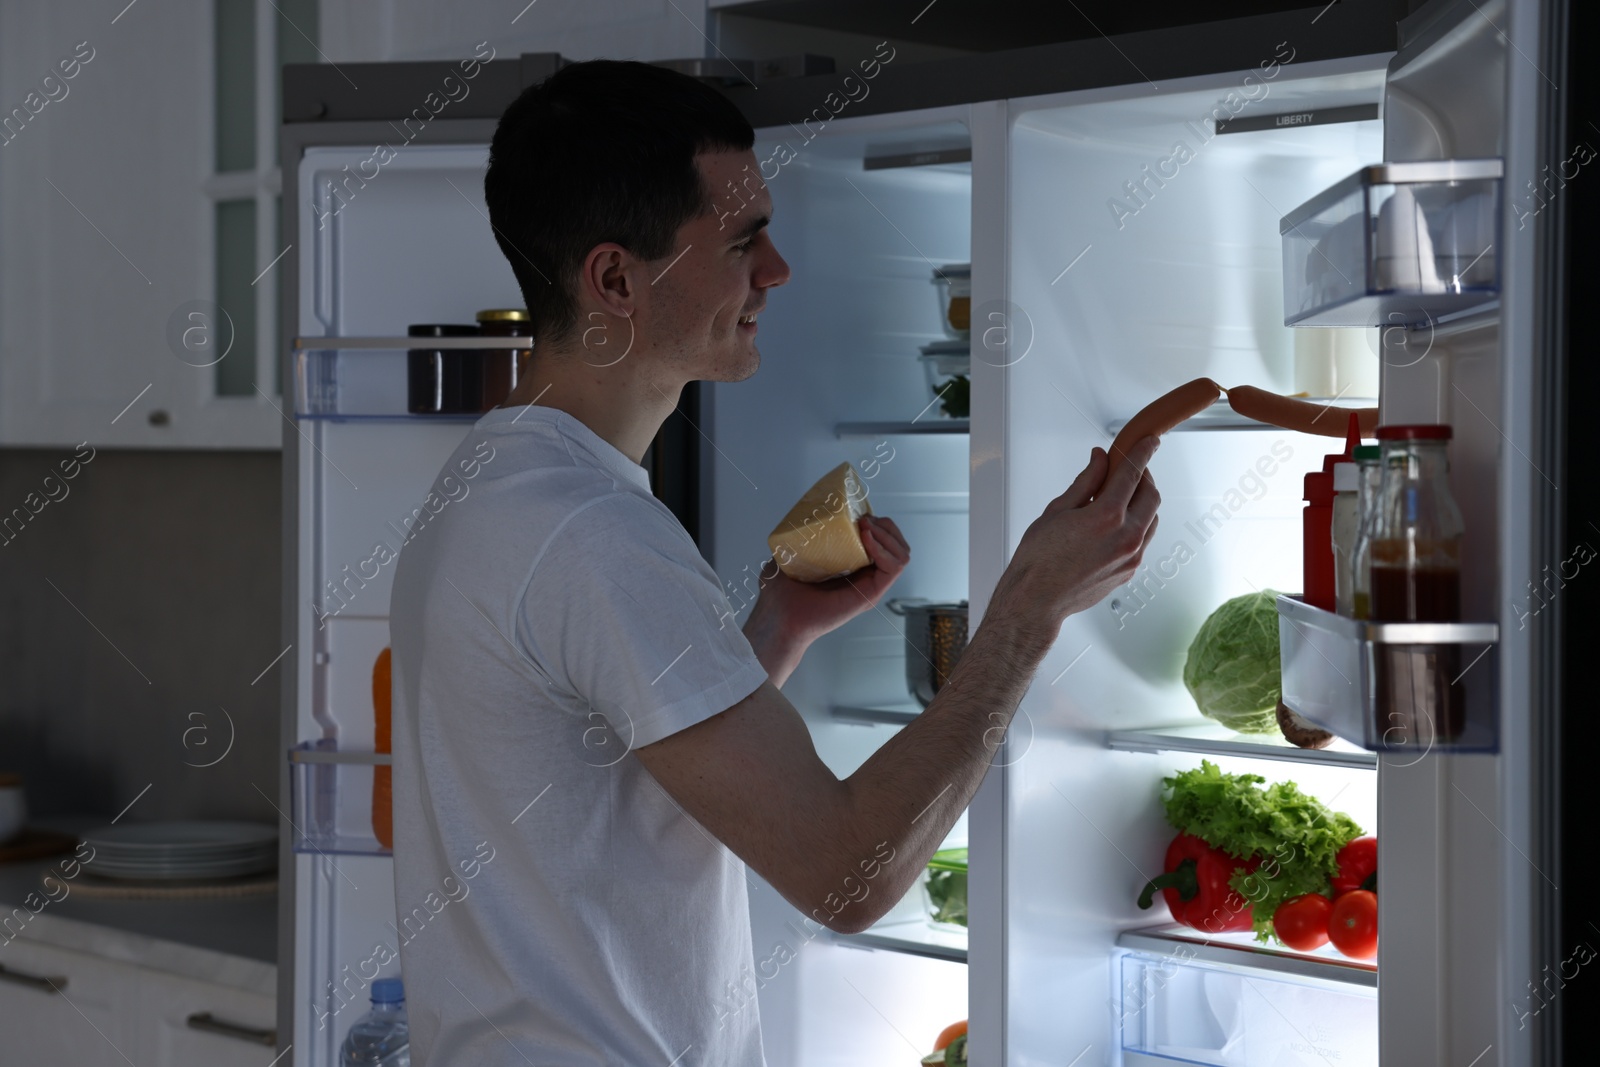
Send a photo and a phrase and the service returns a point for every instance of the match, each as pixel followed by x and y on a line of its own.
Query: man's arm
pixel 751 775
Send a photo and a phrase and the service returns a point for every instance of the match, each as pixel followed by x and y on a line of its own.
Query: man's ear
pixel 610 279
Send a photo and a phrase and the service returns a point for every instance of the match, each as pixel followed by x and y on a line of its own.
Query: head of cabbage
pixel 1233 669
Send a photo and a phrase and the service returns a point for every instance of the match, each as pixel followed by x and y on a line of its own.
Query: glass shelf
pixel 913 936
pixel 896 714
pixel 332 805
pixel 1215 740
pixel 1326 964
pixel 931 425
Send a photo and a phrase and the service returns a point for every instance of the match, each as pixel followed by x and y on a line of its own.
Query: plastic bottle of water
pixel 381 1037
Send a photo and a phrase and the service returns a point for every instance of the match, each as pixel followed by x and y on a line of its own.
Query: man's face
pixel 702 304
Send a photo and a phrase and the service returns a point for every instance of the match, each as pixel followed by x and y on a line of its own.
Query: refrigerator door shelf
pixel 370 377
pixel 1180 1006
pixel 332 813
pixel 1395 244
pixel 1392 686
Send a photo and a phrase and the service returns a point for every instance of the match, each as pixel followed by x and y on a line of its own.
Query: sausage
pixel 1162 414
pixel 1302 416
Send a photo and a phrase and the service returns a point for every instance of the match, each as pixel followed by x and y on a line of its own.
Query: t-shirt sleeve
pixel 623 611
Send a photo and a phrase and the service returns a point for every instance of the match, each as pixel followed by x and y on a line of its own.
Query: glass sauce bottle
pixel 1415 549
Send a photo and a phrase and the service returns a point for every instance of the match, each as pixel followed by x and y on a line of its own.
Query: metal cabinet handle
pixel 38 981
pixel 204 1020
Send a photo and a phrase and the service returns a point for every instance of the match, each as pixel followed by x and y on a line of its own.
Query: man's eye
pixel 745 247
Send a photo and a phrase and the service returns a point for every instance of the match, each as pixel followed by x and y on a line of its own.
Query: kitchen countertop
pixel 229 941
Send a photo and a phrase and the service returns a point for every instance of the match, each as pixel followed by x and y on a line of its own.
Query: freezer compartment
pixel 333 800
pixel 1180 1008
pixel 1407 687
pixel 1395 244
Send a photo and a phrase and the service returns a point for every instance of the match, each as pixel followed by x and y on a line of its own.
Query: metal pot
pixel 936 635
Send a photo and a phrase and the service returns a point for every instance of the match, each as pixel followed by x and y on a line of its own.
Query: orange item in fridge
pixel 382 777
pixel 949 1034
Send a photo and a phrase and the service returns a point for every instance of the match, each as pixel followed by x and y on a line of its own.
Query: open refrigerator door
pixel 371 257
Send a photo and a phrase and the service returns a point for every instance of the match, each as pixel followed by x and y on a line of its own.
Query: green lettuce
pixel 1232 670
pixel 1297 837
pixel 947 885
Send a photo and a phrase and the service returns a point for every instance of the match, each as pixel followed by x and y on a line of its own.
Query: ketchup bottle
pixel 1317 541
pixel 1317 560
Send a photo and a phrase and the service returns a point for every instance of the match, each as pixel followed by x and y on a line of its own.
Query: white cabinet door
pixel 59 1006
pixel 183 1022
pixel 107 230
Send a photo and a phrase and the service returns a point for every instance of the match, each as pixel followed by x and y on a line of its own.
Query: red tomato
pixel 1353 925
pixel 1302 922
pixel 1357 861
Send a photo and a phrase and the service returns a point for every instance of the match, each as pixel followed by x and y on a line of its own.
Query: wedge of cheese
pixel 818 539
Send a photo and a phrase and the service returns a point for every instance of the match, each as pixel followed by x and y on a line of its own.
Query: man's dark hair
pixel 600 151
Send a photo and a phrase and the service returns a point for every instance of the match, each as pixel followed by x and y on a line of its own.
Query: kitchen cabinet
pixel 108 231
pixel 181 1020
pixel 60 1005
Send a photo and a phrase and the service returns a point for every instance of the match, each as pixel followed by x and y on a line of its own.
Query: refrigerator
pixel 1126 230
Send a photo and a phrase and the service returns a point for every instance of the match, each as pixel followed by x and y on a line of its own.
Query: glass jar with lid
pixel 1415 551
pixel 443 381
pixel 503 367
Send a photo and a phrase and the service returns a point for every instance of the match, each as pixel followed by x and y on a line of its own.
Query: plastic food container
pixel 1396 244
pixel 944 889
pixel 945 362
pixel 954 282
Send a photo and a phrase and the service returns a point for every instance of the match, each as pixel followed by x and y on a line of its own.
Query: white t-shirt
pixel 556 907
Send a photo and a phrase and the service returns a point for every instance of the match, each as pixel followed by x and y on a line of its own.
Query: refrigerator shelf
pixel 1414 687
pixel 912 936
pixel 897 714
pixel 932 425
pixel 1394 244
pixel 1215 740
pixel 331 810
pixel 352 378
pixel 335 344
pixel 1243 951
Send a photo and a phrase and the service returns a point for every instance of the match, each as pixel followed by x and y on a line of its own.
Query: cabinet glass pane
pixel 236 269
pixel 236 84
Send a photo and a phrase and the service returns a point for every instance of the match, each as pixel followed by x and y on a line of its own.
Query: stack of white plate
pixel 182 850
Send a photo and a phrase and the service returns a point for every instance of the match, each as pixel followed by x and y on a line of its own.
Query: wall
pixel 170 563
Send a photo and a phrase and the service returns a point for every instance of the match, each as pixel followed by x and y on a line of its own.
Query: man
pixel 568 701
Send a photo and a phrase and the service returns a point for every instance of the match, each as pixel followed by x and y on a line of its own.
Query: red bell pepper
pixel 1358 867
pixel 1195 884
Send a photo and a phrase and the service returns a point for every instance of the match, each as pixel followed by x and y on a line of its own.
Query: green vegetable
pixel 952 1055
pixel 955 396
pixel 947 885
pixel 1297 837
pixel 1232 670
